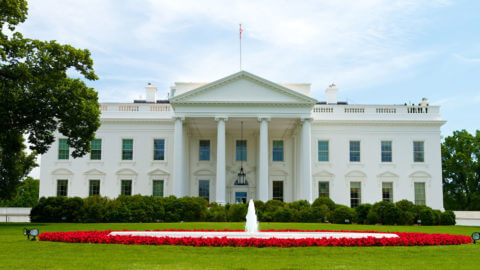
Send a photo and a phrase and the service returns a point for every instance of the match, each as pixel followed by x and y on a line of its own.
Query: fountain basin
pixel 257 235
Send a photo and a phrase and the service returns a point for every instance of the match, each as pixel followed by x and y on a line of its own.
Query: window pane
pixel 204 189
pixel 240 197
pixel 241 154
pixel 418 151
pixel 277 190
pixel 62 187
pixel 387 192
pixel 96 149
pixel 386 151
pixel 277 151
pixel 127 149
pixel 354 151
pixel 420 193
pixel 324 189
pixel 94 188
pixel 63 149
pixel 126 188
pixel 355 194
pixel 159 149
pixel 204 150
pixel 323 151
pixel 158 188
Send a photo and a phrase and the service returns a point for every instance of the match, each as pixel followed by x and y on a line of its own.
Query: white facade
pixel 285 115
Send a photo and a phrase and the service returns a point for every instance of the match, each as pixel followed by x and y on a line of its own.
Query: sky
pixel 376 52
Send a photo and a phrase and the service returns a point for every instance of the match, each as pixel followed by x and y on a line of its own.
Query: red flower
pixel 404 239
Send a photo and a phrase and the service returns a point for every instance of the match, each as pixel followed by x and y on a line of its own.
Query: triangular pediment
pixel 242 87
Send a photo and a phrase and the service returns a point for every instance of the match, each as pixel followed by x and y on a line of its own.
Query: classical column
pixel 306 161
pixel 178 166
pixel 262 181
pixel 220 186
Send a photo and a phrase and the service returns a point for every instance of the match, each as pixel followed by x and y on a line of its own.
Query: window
pixel 418 151
pixel 355 194
pixel 62 187
pixel 387 192
pixel 420 193
pixel 157 188
pixel 63 150
pixel 324 189
pixel 277 190
pixel 240 197
pixel 204 150
pixel 96 149
pixel 94 188
pixel 204 189
pixel 126 188
pixel 159 149
pixel 354 151
pixel 127 149
pixel 386 151
pixel 323 151
pixel 241 154
pixel 277 151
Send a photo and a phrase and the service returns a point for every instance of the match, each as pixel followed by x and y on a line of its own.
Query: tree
pixel 26 194
pixel 461 171
pixel 37 97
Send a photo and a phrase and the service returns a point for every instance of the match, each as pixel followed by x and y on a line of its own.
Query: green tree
pixel 37 97
pixel 461 171
pixel 26 194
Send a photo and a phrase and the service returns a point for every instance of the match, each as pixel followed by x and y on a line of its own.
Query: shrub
pixel 361 213
pixel 193 209
pixel 270 208
pixel 237 212
pixel 342 214
pixel 372 217
pixel 427 216
pixel 437 215
pixel 324 201
pixel 386 212
pixel 95 209
pixel 447 218
pixel 259 209
pixel 216 213
pixel 283 214
pixel 321 213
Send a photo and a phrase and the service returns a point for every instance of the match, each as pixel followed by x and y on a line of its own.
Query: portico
pixel 270 112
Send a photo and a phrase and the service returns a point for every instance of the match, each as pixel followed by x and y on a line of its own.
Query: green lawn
pixel 16 252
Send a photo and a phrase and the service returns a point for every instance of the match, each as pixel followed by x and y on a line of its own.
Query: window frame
pixel 390 152
pixel 328 189
pixel 416 201
pixel 124 150
pixel 122 181
pixel 60 154
pixel 90 181
pixel 200 193
pixel 163 151
pixel 162 181
pixel 359 151
pixel 280 197
pixel 390 199
pixel 99 151
pixel 237 152
pixel 359 198
pixel 422 152
pixel 200 150
pixel 61 191
pixel 323 151
pixel 281 153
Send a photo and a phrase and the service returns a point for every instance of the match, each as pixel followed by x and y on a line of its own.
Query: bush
pixel 427 216
pixel 95 209
pixel 386 213
pixel 237 212
pixel 361 213
pixel 324 201
pixel 321 213
pixel 216 213
pixel 342 215
pixel 447 218
pixel 283 214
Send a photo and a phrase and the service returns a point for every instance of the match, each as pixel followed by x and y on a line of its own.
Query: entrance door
pixel 240 197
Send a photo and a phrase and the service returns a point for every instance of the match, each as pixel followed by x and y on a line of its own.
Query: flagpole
pixel 240 40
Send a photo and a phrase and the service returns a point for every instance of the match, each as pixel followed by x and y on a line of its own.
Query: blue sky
pixel 376 52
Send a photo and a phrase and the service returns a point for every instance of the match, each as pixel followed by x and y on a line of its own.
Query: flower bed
pixel 404 239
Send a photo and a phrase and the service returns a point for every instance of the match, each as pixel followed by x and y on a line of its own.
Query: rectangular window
pixel 127 149
pixel 324 189
pixel 96 149
pixel 355 194
pixel 386 151
pixel 323 151
pixel 157 188
pixel 387 192
pixel 63 150
pixel 354 151
pixel 62 187
pixel 126 188
pixel 240 197
pixel 241 154
pixel 159 149
pixel 204 150
pixel 277 190
pixel 204 189
pixel 420 193
pixel 94 187
pixel 277 149
pixel 418 151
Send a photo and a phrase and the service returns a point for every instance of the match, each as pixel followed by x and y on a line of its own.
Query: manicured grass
pixel 16 252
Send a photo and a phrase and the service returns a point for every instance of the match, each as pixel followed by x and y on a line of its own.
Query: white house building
pixel 291 147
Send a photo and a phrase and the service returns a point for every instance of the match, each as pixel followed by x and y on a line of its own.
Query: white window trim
pixel 133 150
pixel 348 152
pixel 271 150
pixel 329 151
pixel 153 150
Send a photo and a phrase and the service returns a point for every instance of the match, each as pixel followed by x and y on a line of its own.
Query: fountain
pixel 252 232
pixel 251 226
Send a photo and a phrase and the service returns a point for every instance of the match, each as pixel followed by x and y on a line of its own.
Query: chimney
pixel 424 102
pixel 151 93
pixel 332 94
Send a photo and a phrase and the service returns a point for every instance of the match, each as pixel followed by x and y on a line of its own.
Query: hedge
pixel 140 208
